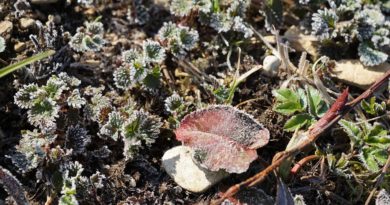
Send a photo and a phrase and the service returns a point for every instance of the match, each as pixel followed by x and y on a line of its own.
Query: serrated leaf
pixel 222 137
pixel 377 136
pixel 287 101
pixel 353 131
pixel 298 121
pixel 317 106
pixel 373 158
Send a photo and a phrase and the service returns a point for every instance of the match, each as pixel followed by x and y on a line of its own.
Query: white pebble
pixel 271 65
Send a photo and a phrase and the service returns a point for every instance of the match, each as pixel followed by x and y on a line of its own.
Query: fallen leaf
pixel 222 137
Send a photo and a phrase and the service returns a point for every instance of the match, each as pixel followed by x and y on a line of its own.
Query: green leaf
pixel 288 102
pixel 373 158
pixel 13 67
pixel 372 107
pixel 377 137
pixel 353 131
pixel 152 80
pixel 298 121
pixel 317 106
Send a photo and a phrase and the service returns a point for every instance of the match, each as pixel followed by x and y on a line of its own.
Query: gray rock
pixel 178 163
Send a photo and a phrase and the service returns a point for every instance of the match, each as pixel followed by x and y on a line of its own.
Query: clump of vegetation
pixel 86 118
pixel 88 38
pixel 355 21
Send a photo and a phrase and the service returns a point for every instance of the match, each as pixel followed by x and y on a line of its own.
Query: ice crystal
pixel 221 22
pixel 153 51
pixel 43 114
pixel 138 14
pixel 130 56
pixel 112 127
pixel 140 127
pixel 32 148
pixel 23 98
pixel 122 78
pixel 181 7
pixel 324 22
pixel 2 44
pixel 89 38
pixel 75 100
pixel 77 139
pixel 173 102
pixel 370 56
pixel 239 26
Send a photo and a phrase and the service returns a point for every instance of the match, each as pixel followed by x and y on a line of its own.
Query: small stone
pixel 20 46
pixel 179 165
pixel 26 23
pixel 43 1
pixel 353 72
pixel 5 27
pixel 271 65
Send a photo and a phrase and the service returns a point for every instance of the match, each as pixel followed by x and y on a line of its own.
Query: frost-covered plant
pixel 140 127
pixel 138 13
pixel 372 142
pixel 43 102
pixel 13 187
pixel 77 139
pixel 355 21
pixel 178 39
pixel 71 174
pixel 140 67
pixel 305 106
pixel 2 44
pixel 88 38
pixel 324 23
pixel 173 103
pixel 221 17
pixel 31 149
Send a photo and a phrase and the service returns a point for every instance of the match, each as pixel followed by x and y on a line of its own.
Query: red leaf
pixel 222 137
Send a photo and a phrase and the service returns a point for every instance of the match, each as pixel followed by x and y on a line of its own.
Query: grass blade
pixel 13 67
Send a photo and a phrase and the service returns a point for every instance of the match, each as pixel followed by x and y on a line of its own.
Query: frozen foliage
pixel 77 139
pixel 2 44
pixel 75 100
pixel 71 174
pixel 173 102
pixel 229 18
pixel 222 137
pixel 181 7
pixel 31 149
pixel 140 127
pixel 369 56
pixel 13 187
pixel 138 65
pixel 89 38
pixel 112 126
pixel 179 39
pixel 383 198
pixel 138 13
pixel 153 52
pixel 44 101
pixel 324 22
pixel 355 21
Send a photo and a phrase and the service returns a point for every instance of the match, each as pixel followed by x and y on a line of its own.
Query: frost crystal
pixel 77 138
pixel 130 56
pixel 221 22
pixel 369 56
pixel 23 98
pixel 122 78
pixel 140 127
pixel 153 52
pixel 89 38
pixel 239 26
pixel 173 102
pixel 75 100
pixel 181 7
pixel 43 114
pixel 138 14
pixel 324 22
pixel 112 126
pixel 2 44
